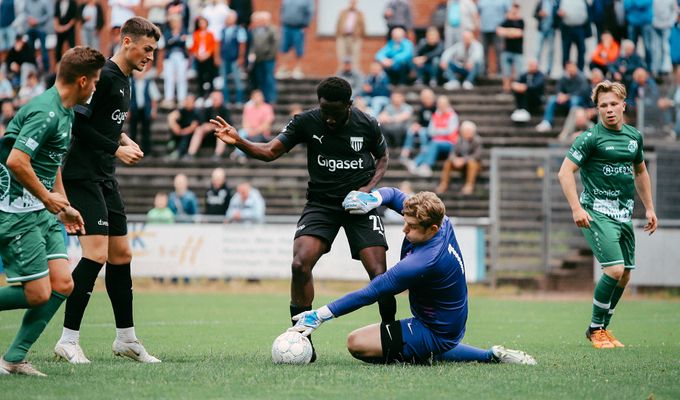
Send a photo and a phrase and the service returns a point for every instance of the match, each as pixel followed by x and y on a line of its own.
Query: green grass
pixel 218 346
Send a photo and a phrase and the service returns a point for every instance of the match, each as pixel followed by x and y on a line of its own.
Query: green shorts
pixel 612 241
pixel 27 242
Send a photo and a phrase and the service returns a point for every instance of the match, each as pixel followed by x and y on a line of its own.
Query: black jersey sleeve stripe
pixel 81 109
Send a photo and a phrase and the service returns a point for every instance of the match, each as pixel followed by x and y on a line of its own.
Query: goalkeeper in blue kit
pixel 433 271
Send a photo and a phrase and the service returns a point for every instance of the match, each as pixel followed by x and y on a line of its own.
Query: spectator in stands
pixel 262 55
pixel 443 131
pixel 295 109
pixel 182 123
pixel 512 57
pixel 204 51
pixel 6 88
pixel 349 34
pixel 38 14
pixel 215 12
pixel 576 123
pixel 396 57
pixel 30 89
pixel 643 89
pixel 605 54
pixel 670 105
pixel 257 120
pixel 419 127
pixel 212 108
pixel 461 16
pixel 65 17
pixel 232 38
pixel 466 156
pixel 545 15
pixel 574 27
pixel 296 15
pixel 176 63
pixel 398 14
pixel 218 195
pixel 622 70
pixel 528 91
pixel 120 11
pixel 639 15
pixel 675 43
pixel 569 90
pixel 351 74
pixel 21 61
pixel 244 10
pixel 91 19
pixel 181 9
pixel 156 12
pixel 360 104
pixel 394 119
pixel 247 205
pixel 376 89
pixel 182 201
pixel 144 100
pixel 160 213
pixel 427 54
pixel 491 15
pixel 614 19
pixel 574 120
pixel 7 112
pixel 9 11
pixel 463 61
pixel 665 14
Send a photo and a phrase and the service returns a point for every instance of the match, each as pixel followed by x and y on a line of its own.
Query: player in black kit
pixel 346 151
pixel 89 179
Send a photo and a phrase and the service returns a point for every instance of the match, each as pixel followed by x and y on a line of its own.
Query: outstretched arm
pixel 262 151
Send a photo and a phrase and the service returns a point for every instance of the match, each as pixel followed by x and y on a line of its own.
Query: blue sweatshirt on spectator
pixel 401 53
pixel 638 12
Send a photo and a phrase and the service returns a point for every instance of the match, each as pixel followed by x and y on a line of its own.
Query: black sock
pixel 84 276
pixel 388 308
pixel 119 288
pixel 295 310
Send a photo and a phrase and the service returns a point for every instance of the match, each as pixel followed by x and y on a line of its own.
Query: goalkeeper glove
pixel 360 202
pixel 308 321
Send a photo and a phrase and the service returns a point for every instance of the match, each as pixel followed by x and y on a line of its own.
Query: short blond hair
pixel 608 87
pixel 426 208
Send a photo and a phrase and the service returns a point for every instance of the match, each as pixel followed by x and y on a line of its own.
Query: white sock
pixel 69 335
pixel 126 334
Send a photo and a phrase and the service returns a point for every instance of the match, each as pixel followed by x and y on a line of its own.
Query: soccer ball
pixel 291 348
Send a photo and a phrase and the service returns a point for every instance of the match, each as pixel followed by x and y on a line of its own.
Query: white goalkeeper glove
pixel 360 202
pixel 308 321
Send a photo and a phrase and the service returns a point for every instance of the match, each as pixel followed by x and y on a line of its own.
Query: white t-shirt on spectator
pixel 216 14
pixel 120 11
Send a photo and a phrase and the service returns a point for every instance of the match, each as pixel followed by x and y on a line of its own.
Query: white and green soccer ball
pixel 291 348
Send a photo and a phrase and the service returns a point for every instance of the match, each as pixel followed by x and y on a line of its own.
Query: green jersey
pixel 41 129
pixel 607 160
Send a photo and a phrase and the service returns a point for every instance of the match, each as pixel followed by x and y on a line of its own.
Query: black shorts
pixel 100 204
pixel 362 231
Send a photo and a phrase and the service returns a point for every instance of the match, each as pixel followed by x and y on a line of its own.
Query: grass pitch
pixel 217 345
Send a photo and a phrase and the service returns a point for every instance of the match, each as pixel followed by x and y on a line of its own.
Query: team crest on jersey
pixel 632 146
pixel 356 142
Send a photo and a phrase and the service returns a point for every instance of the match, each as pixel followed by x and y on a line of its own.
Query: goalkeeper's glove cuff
pixel 324 313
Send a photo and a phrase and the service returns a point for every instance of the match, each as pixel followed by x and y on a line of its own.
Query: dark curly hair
pixel 334 89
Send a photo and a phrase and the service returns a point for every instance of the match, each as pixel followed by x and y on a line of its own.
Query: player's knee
pixel 122 256
pixel 615 271
pixel 63 286
pixel 98 257
pixel 625 278
pixel 300 269
pixel 357 346
pixel 38 297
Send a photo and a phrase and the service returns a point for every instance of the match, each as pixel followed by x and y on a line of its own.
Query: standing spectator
pixel 213 108
pixel 232 38
pixel 574 27
pixel 182 201
pixel 182 123
pixel 665 15
pixel 427 54
pixel 296 15
pixel 615 19
pixel 262 54
pixel 675 43
pixel 396 57
pixel 204 50
pixel 38 17
pixel 349 33
pixel 466 156
pixel 176 63
pixel 528 91
pixel 31 88
pixel 639 15
pixel 143 107
pixel 218 195
pixel 7 112
pixel 257 120
pixel 463 61
pixel 398 14
pixel 21 61
pixel 121 11
pixel 419 126
pixel 91 19
pixel 545 14
pixel 569 89
pixel 215 12
pixel 10 10
pixel 157 13
pixel 181 9
pixel 443 130
pixel 6 88
pixel 247 205
pixel 512 30
pixel 670 104
pixel 244 9
pixel 160 213
pixel 491 15
pixel 376 88
pixel 461 16
pixel 394 119
pixel 349 73
pixel 606 53
pixel 65 17
pixel 629 60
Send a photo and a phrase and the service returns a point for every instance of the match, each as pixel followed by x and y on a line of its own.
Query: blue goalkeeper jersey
pixel 433 272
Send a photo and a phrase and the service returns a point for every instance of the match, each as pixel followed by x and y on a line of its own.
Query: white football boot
pixel 509 356
pixel 71 352
pixel 133 350
pixel 20 368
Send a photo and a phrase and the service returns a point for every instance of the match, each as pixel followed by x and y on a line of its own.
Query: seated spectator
pixel 247 205
pixel 143 107
pixel 182 201
pixel 182 123
pixel 257 121
pixel 577 121
pixel 643 89
pixel 528 91
pixel 396 56
pixel 466 156
pixel 443 130
pixel 462 61
pixel 6 89
pixel 569 90
pixel 624 66
pixel 574 120
pixel 376 89
pixel 426 61
pixel 351 75
pixel 217 197
pixel 605 54
pixel 670 104
pixel 212 108
pixel 360 104
pixel 160 213
pixel 20 61
pixel 419 126
pixel 512 56
pixel 7 112
pixel 394 119
pixel 176 63
pixel 31 88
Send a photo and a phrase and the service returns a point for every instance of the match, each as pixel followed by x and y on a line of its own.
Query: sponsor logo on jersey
pixel 102 223
pixel 606 192
pixel 632 146
pixel 356 142
pixel 318 138
pixel 577 155
pixel 301 227
pixel 610 170
pixel 333 164
pixel 609 148
pixel 119 116
pixel 31 144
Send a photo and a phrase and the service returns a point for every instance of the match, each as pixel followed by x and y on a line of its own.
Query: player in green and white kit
pixel 610 158
pixel 32 197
